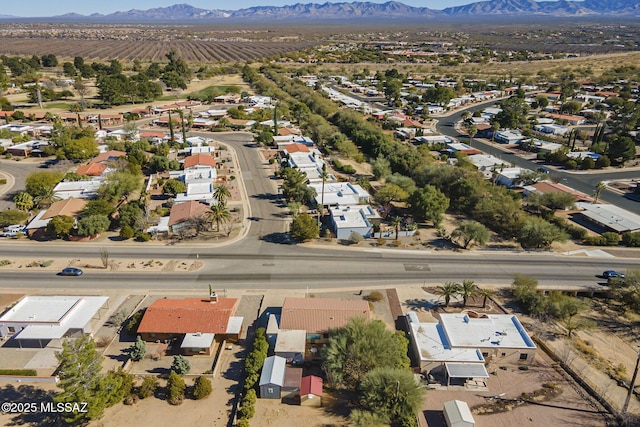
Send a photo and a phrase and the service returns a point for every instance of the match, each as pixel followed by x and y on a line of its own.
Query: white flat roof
pixel 340 193
pixel 349 216
pixel 234 326
pixel 197 340
pixel 485 160
pixel 50 317
pixel 495 330
pixel 611 216
pixel 511 173
pixel 434 346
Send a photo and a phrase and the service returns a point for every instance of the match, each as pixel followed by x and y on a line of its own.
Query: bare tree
pixel 104 257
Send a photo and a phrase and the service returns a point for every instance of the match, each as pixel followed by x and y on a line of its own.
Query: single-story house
pixel 340 193
pixel 183 213
pixel 67 207
pixel 508 136
pixel 509 177
pixel 317 316
pixel 44 318
pixel 196 322
pixel 609 217
pixel 352 219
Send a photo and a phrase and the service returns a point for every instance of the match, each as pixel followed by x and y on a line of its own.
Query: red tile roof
pixel 92 169
pixel 189 315
pixel 296 148
pixel 187 210
pixel 288 131
pixel 311 385
pixel 199 159
pixel 108 156
pixel 320 314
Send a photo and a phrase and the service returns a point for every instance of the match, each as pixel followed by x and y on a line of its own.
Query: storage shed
pixel 311 391
pixel 272 377
pixel 458 414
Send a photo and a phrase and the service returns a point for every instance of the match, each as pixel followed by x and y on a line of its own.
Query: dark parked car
pixel 70 271
pixel 611 274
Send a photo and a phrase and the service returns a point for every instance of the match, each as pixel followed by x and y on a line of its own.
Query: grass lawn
pixel 59 105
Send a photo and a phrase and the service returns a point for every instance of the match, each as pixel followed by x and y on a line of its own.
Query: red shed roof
pixel 189 315
pixel 311 385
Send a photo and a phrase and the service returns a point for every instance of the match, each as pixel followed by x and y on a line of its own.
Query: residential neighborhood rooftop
pixel 188 315
pixel 321 314
pixel 491 330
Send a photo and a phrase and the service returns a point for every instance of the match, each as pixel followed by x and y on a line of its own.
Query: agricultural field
pixel 190 51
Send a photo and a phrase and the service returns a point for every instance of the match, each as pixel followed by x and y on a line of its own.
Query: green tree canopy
pixel 304 227
pixel 60 226
pixel 173 187
pixel 294 186
pixel 40 183
pixel 359 347
pixel 538 233
pixel 471 232
pixel 392 394
pixel 80 380
pixel 12 216
pixel 93 225
pixel 390 193
pixel 119 186
pixel 429 203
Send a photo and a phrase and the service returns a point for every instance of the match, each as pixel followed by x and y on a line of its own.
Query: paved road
pixel 19 172
pixel 585 182
pixel 292 266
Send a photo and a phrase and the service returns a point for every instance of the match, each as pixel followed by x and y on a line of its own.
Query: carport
pixel 465 371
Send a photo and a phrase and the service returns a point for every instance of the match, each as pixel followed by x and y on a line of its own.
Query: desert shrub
pixel 148 387
pixel 396 243
pixel 243 423
pixel 381 241
pixel 631 239
pixel 19 372
pixel 202 387
pixel 4 262
pixel 355 238
pixel 134 322
pixel 175 388
pixel 143 236
pixel 374 296
pixel 348 169
pixel 247 410
pixel 126 232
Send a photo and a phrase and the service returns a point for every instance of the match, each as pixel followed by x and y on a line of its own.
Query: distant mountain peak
pixel 366 10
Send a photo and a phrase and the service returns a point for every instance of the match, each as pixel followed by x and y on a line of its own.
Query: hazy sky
pixel 60 7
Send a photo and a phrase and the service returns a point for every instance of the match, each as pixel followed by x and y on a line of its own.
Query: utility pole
pixel 632 386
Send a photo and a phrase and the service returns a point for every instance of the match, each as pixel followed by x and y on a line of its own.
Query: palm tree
pixel 472 131
pixel 324 175
pixel 601 186
pixel 219 213
pixel 468 290
pixel 448 290
pixel 46 199
pixel 396 224
pixel 495 127
pixel 221 193
pixel 485 293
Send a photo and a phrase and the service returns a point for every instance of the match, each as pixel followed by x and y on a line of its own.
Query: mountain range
pixel 368 11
